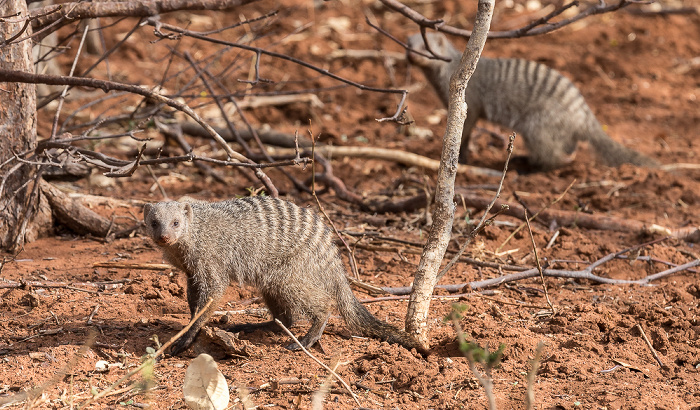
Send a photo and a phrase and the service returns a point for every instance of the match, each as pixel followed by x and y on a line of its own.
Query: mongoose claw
pixel 293 347
pixel 180 346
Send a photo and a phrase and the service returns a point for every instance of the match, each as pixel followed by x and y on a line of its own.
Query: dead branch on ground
pixel 586 274
pixel 75 216
pixel 531 272
pixel 583 220
pixel 267 136
pixel 401 157
pixel 24 284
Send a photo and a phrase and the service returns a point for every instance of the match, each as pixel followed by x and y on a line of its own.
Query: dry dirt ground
pixel 639 73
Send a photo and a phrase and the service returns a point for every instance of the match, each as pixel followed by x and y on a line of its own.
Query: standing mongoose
pixel 534 100
pixel 284 251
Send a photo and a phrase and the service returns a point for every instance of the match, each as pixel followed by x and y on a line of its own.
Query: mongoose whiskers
pixel 286 252
pixel 534 100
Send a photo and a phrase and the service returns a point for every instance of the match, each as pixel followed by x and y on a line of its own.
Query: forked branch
pixel 536 27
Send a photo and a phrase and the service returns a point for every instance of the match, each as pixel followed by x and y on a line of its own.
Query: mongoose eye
pixel 154 224
pixel 176 223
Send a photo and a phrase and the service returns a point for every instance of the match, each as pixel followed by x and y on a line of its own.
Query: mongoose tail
pixel 536 101
pixel 614 154
pixel 361 320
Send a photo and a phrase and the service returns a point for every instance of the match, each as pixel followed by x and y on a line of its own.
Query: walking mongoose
pixel 534 100
pixel 286 252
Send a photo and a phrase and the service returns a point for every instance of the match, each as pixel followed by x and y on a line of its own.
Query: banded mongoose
pixel 534 100
pixel 286 252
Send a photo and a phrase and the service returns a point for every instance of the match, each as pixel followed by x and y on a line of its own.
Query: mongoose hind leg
pixel 469 124
pixel 286 305
pixel 318 325
pixel 548 151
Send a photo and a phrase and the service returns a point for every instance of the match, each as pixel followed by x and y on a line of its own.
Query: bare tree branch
pixel 260 51
pixel 69 12
pixel 24 77
pixel 443 216
pixel 540 26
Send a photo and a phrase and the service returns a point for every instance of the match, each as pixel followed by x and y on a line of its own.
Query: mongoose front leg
pixel 198 295
pixel 469 123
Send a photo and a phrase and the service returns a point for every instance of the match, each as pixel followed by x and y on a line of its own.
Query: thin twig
pixel 340 379
pixel 539 266
pixel 351 254
pixel 522 225
pixel 36 392
pixel 155 180
pixel 531 375
pixel 62 97
pixel 482 222
pixel 651 348
pixel 92 314
pixel 151 361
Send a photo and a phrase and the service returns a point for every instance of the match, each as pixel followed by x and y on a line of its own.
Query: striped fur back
pixel 263 236
pixel 536 101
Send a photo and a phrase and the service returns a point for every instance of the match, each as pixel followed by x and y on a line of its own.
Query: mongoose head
pixel 167 222
pixel 439 45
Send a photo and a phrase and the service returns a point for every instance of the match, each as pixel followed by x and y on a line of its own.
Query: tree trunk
pixel 17 131
pixel 443 217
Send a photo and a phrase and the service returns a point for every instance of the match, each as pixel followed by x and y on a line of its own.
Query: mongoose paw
pixel 306 343
pixel 180 346
pixel 293 347
pixel 464 157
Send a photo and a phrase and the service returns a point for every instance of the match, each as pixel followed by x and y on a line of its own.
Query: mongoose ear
pixel 189 215
pixel 147 209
